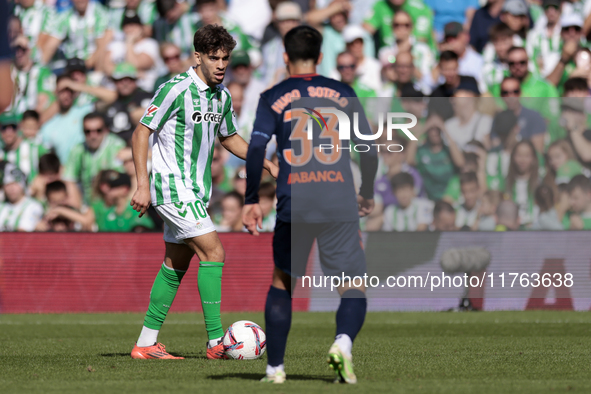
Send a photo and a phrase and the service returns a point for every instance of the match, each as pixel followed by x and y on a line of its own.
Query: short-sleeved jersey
pixel 83 165
pixel 320 189
pixel 186 115
pixel 80 32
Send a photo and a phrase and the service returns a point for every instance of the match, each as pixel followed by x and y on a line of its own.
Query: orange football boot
pixel 217 352
pixel 152 352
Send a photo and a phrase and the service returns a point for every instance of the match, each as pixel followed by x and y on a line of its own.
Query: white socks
pixel 148 337
pixel 272 370
pixel 213 342
pixel 345 343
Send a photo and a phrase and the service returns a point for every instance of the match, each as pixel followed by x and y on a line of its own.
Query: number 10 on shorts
pixel 196 208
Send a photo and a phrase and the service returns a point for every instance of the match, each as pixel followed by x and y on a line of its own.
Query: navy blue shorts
pixel 339 245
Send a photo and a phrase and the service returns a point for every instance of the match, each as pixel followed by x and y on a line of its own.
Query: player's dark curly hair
pixel 211 38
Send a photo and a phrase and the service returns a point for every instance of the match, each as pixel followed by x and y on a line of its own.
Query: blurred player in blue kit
pixel 316 197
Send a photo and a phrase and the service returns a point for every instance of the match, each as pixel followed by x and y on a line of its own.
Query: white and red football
pixel 245 340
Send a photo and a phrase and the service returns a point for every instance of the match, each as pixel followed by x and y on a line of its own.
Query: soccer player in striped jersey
pixel 186 115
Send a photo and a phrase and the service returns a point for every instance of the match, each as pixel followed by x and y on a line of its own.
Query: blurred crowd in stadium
pixel 499 88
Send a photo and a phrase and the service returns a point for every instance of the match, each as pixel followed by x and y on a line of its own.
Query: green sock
pixel 209 282
pixel 162 295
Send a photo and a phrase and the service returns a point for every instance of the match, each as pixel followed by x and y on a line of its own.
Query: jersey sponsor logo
pixel 315 176
pixel 152 110
pixel 211 117
pixel 197 117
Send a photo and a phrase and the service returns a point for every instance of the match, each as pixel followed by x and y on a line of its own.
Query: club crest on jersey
pixel 152 110
pixel 211 117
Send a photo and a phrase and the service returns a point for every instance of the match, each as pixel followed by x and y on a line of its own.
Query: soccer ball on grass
pixel 245 340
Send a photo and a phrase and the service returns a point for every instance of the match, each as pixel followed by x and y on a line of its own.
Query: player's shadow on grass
pixel 257 377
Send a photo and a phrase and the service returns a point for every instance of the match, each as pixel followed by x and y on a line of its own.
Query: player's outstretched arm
pixel 139 148
pixel 236 145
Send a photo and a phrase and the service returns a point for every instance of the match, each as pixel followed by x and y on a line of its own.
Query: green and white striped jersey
pixel 22 216
pixel 186 115
pixel 29 85
pixel 25 157
pixel 83 165
pixel 80 32
pixel 35 20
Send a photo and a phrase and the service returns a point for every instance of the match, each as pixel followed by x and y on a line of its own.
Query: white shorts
pixel 184 220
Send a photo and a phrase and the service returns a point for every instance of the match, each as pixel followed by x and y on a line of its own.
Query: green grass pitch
pixel 492 352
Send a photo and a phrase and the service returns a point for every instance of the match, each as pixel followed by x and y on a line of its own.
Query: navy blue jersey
pixel 314 185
